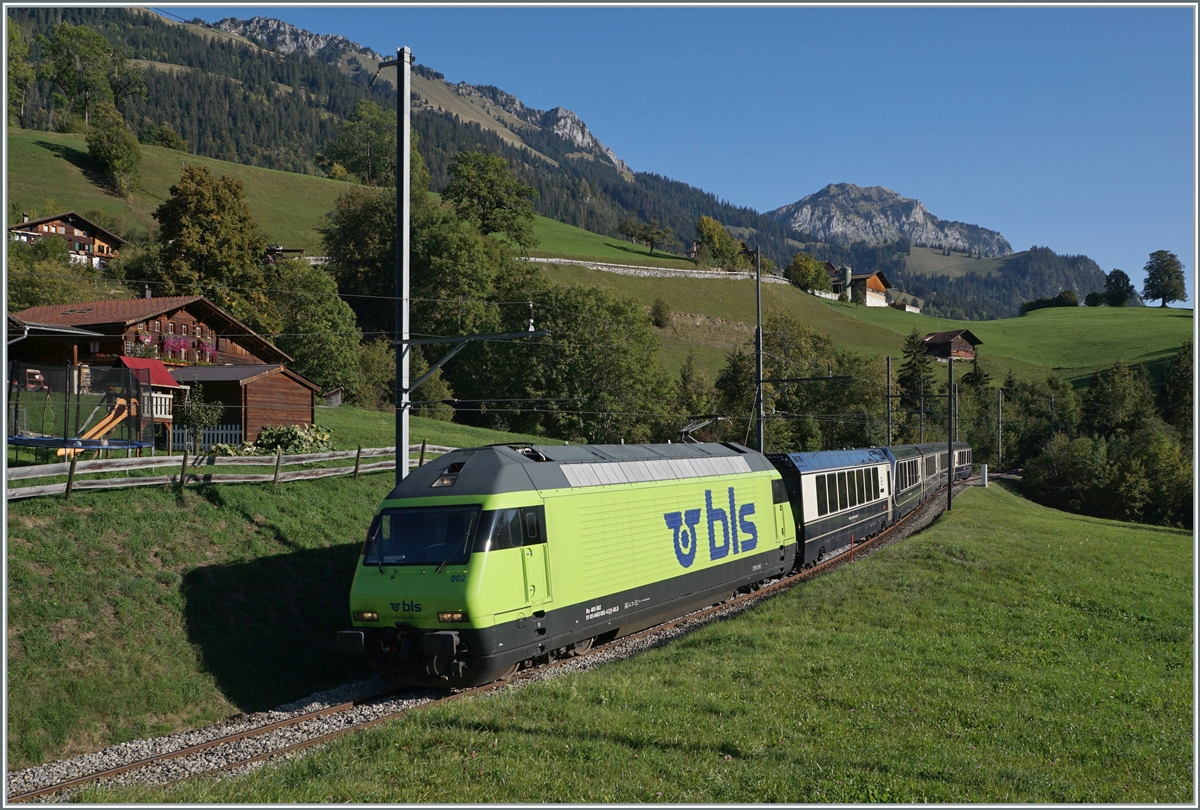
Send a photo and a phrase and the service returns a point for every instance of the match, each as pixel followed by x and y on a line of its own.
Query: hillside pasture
pixel 559 240
pixel 1008 654
pixel 923 261
pixel 42 166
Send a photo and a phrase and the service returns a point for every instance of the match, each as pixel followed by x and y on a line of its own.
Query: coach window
pixel 852 494
pixel 843 493
pixel 822 501
pixel 831 488
pixel 862 488
pixel 875 482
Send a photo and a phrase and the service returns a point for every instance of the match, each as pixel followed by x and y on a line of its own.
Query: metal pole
pixel 921 413
pixel 889 400
pixel 999 428
pixel 404 181
pixel 956 412
pixel 950 440
pixel 758 352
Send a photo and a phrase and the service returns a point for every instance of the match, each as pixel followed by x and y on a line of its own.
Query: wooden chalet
pixel 189 335
pixel 959 344
pixel 254 396
pixel 87 242
pixel 872 286
pixel 179 330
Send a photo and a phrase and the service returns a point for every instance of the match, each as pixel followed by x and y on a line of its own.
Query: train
pixel 490 559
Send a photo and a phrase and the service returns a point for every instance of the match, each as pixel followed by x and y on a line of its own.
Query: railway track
pixel 249 746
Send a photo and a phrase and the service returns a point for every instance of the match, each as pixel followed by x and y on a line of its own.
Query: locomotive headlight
pixel 366 616
pixel 452 617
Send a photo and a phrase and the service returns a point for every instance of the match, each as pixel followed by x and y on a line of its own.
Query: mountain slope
pixel 846 213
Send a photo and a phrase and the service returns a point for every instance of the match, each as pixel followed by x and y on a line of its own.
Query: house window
pixel 94 347
pixel 171 328
pixel 156 326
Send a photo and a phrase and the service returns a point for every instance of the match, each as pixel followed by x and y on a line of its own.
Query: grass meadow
pixel 713 315
pixel 1008 654
pixel 140 611
pixel 557 239
pixel 54 167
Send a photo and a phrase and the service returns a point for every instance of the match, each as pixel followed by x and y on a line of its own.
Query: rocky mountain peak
pixel 846 213
pixel 286 38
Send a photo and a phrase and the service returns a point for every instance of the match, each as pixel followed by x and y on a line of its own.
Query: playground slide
pixel 116 416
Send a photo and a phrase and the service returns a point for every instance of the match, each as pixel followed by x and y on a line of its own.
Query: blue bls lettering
pixel 684 526
pixel 738 532
pixel 715 516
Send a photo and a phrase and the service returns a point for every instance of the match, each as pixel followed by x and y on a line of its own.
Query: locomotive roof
pixel 837 459
pixel 519 468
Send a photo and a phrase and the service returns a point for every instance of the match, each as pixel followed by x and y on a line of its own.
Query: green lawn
pixel 355 426
pixel 559 240
pixel 1008 654
pixel 50 166
pixel 135 612
pixel 1072 343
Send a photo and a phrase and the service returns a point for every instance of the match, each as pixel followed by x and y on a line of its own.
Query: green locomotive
pixel 489 558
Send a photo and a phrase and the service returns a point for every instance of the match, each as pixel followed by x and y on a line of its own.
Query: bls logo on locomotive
pixel 684 524
pixel 406 607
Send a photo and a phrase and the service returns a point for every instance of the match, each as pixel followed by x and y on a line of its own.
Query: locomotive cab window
pixel 422 536
pixel 510 528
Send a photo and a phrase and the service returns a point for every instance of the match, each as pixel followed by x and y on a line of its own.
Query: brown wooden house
pixel 254 396
pixel 179 330
pixel 959 344
pixel 87 242
pixel 873 287
pixel 191 336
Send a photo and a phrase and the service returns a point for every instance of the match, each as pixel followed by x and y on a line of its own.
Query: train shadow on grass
pixel 265 628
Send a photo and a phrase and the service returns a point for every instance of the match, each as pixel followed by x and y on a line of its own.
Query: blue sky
pixel 1072 128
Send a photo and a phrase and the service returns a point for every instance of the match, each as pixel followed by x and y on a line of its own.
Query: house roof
pixel 16 324
pixel 69 215
pixel 158 372
pixel 241 374
pixel 125 312
pixel 946 337
pixel 857 276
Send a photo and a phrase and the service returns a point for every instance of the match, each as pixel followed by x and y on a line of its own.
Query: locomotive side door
pixel 534 558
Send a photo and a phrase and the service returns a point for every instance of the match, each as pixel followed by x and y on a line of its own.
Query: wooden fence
pixel 186 467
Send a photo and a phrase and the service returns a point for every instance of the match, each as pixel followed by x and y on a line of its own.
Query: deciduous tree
pixel 1118 289
pixel 1164 278
pixel 365 145
pixel 485 193
pixel 317 328
pixel 807 273
pixel 210 246
pixel 20 74
pixel 112 144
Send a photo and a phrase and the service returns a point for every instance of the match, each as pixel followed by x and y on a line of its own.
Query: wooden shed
pixel 254 396
pixel 959 344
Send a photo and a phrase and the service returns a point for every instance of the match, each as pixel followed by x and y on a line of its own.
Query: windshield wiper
pixel 378 551
pixel 466 542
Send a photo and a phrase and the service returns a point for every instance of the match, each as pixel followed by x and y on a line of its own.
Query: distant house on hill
pixel 871 286
pixel 87 242
pixel 959 344
pixel 905 302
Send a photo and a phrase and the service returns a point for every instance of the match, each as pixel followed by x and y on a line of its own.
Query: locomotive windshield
pixel 436 535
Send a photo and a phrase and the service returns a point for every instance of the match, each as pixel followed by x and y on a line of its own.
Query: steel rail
pixel 867 546
pixel 192 749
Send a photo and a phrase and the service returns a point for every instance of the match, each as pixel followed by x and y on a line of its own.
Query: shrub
pixel 660 315
pixel 294 439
